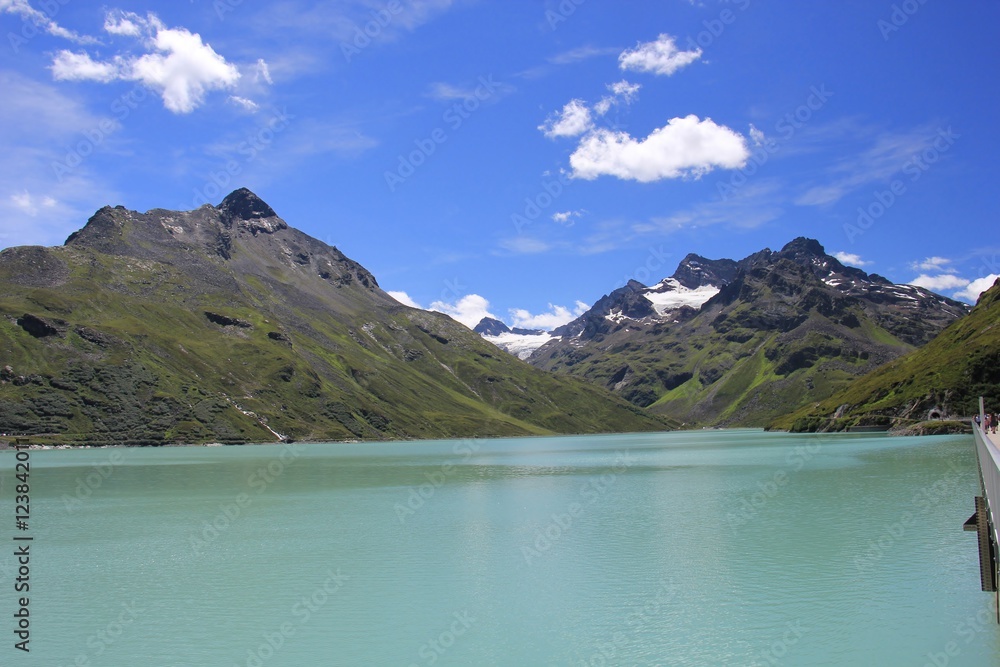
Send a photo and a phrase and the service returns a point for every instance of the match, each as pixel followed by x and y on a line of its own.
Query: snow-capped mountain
pixel 696 280
pixel 519 342
pixel 739 342
pixel 820 284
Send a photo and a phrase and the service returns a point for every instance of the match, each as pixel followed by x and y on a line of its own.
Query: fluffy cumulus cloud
pixel 468 310
pixel 556 316
pixel 69 66
pixel 939 283
pixel 974 289
pixel 572 121
pixel 658 57
pixel 576 117
pixel 684 147
pixel 176 62
pixel 404 299
pixel 472 308
pixel 850 259
pixel 939 276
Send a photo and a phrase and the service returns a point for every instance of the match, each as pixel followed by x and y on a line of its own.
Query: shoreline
pixel 10 445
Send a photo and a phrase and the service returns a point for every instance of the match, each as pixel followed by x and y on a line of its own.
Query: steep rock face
pixel 626 302
pixel 696 271
pixel 489 326
pixel 226 324
pixel 774 331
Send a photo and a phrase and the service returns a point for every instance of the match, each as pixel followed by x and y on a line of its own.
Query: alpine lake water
pixel 731 547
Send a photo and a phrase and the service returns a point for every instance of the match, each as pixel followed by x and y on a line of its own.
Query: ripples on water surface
pixel 693 548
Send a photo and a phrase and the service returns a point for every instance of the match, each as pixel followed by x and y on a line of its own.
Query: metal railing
pixel 989 472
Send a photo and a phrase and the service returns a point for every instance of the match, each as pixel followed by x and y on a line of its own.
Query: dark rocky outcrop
pixel 226 321
pixel 40 327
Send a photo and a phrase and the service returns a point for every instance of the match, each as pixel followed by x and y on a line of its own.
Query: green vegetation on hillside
pixel 944 378
pixel 223 324
pixel 791 329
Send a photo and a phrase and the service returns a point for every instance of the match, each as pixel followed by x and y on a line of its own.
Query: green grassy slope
pixel 943 378
pixel 205 326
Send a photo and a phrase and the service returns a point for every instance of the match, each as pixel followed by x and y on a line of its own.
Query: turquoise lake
pixel 733 547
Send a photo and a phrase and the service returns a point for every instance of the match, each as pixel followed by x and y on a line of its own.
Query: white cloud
pixel 244 104
pixel 966 290
pixel 404 299
pixel 555 317
pixel 622 92
pixel 118 22
pixel 975 288
pixel 29 204
pixel 69 66
pixel 468 310
pixel 659 57
pixel 757 136
pixel 850 259
pixel 178 64
pixel 263 72
pixel 183 69
pixel 566 217
pixel 939 283
pixel 37 18
pixel 572 121
pixel 932 264
pixel 684 147
pixel 624 89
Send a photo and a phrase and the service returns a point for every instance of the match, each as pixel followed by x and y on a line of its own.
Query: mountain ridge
pixel 226 324
pixel 941 380
pixel 773 330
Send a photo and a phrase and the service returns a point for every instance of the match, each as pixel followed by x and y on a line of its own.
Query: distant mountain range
pixel 225 324
pixel 727 342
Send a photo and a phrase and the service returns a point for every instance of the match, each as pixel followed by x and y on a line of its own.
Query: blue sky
pixel 521 158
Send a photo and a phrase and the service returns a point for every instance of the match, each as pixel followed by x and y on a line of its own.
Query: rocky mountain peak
pixel 103 230
pixel 696 271
pixel 248 211
pixel 489 326
pixel 803 247
pixel 245 205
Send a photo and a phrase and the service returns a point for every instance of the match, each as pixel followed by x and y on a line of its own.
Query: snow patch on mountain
pixel 520 345
pixel 669 295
